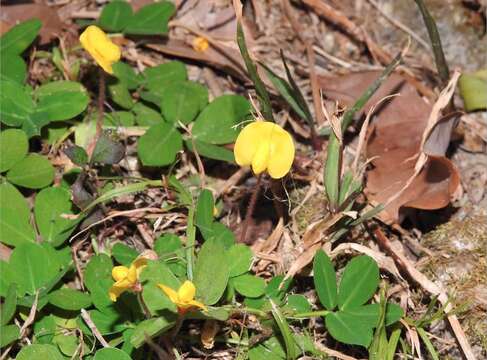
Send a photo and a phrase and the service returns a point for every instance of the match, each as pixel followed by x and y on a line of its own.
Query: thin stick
pixel 87 318
pixel 250 209
pixel 399 25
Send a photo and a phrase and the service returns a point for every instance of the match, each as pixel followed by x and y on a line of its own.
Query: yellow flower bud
pixel 265 146
pixel 100 47
pixel 200 44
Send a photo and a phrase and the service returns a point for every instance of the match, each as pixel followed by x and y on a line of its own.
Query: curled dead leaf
pixel 396 142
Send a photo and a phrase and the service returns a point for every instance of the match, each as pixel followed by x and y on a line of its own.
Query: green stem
pixel 441 64
pixel 191 238
pixel 310 314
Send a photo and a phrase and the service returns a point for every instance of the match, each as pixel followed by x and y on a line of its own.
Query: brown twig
pixel 432 288
pixel 87 318
pixel 250 209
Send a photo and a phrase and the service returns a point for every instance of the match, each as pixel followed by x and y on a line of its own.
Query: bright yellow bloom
pixel 200 44
pixel 184 297
pixel 100 47
pixel 265 146
pixel 126 278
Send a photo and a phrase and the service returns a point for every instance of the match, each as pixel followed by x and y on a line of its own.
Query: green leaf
pixel 15 228
pixel 240 259
pixel 13 147
pixel 120 93
pixel 160 76
pixel 108 322
pixel 217 123
pixel 50 206
pixel 167 245
pixel 33 172
pixel 77 155
pixel 145 115
pixel 126 74
pixel 292 96
pixel 44 329
pixel 211 283
pixel 67 344
pixel 150 328
pixel 204 211
pixel 151 19
pixel 8 334
pixel 15 102
pixel 115 16
pixel 19 38
pixel 393 313
pixel 119 118
pixel 359 282
pixel 157 272
pixel 345 328
pixel 210 151
pixel 13 68
pixel 9 306
pixel 472 89
pixel 111 353
pixel 220 233
pixel 107 151
pixel 159 145
pixel 262 94
pixel 298 303
pixel 33 268
pixel 98 280
pixel 182 101
pixel 249 285
pixel 124 254
pixel 69 299
pixel 324 278
pixel 60 100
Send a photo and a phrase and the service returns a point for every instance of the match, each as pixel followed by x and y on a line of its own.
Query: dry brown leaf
pixel 51 23
pixel 395 143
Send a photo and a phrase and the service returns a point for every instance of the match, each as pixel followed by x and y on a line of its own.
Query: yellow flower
pixel 184 297
pixel 200 44
pixel 126 278
pixel 100 47
pixel 265 146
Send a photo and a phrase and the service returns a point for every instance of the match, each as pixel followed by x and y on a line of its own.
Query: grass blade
pixel 285 331
pixel 262 93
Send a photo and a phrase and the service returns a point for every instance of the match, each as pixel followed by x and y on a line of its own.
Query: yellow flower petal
pixel 115 292
pixel 281 155
pixel 170 293
pixel 119 272
pixel 265 146
pixel 186 292
pixel 247 142
pixel 100 47
pixel 197 304
pixel 140 263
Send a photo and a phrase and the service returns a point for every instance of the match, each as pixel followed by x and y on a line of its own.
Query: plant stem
pixel 441 64
pixel 190 243
pixel 309 314
pixel 101 112
pixel 250 209
pixel 143 306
